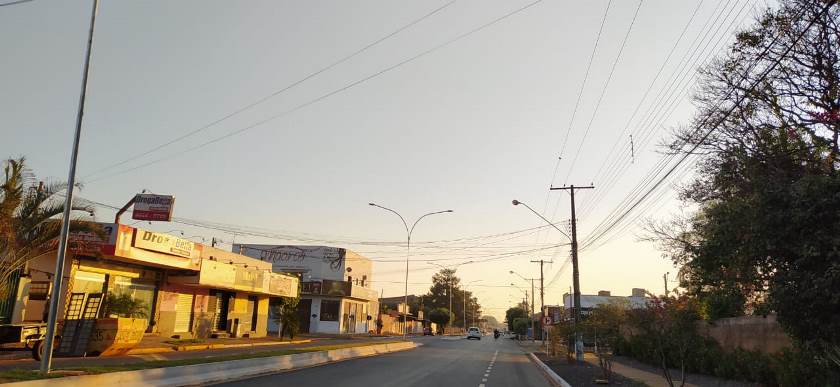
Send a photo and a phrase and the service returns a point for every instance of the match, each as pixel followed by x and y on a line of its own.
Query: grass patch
pixel 185 341
pixel 19 375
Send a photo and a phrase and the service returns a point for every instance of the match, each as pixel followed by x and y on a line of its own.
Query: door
pixel 221 313
pixel 304 312
pixel 183 313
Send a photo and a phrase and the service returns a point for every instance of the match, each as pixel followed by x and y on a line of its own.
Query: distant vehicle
pixel 427 331
pixel 473 333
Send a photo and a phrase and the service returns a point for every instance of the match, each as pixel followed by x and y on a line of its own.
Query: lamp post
pixel 575 279
pixel 408 232
pixel 465 303
pixel 533 301
pixel 449 284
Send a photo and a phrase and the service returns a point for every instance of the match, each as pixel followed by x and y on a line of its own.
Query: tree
pixel 29 224
pixel 670 323
pixel 604 324
pixel 440 316
pixel 512 314
pixel 766 234
pixel 286 316
pixel 438 297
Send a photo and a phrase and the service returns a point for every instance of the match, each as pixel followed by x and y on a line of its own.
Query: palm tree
pixel 29 219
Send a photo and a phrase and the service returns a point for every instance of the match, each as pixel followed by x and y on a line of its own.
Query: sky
pixel 437 114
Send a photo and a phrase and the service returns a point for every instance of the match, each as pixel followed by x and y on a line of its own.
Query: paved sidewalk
pixel 652 376
pixel 69 362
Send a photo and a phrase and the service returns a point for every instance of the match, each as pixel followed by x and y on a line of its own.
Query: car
pixel 473 333
pixel 427 331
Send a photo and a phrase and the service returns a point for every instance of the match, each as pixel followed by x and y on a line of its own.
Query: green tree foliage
pixel 766 233
pixel 521 325
pixel 438 297
pixel 512 314
pixel 440 316
pixel 30 219
pixel 286 316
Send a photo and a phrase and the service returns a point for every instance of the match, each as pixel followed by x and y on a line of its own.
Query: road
pixel 441 361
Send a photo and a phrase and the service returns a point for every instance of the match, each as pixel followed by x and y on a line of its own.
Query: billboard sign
pixel 151 207
pixel 164 243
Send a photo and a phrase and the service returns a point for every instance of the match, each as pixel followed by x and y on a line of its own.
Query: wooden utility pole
pixel 575 269
pixel 665 279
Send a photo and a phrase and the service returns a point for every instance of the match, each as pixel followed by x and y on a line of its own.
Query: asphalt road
pixel 439 362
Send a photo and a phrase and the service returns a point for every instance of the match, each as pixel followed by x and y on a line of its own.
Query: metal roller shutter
pixel 183 312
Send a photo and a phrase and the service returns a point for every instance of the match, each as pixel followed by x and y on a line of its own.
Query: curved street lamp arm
pixel 396 213
pixel 421 218
pixel 516 202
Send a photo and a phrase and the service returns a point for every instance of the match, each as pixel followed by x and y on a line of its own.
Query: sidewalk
pixel 231 348
pixel 652 376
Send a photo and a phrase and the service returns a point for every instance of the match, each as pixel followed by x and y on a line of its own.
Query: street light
pixel 465 303
pixel 575 277
pixel 408 232
pixel 449 283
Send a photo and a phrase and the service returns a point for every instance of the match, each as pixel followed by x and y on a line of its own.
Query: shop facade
pixel 184 289
pixel 336 294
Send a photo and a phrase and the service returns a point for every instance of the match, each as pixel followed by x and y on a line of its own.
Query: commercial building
pixel 336 294
pixel 186 289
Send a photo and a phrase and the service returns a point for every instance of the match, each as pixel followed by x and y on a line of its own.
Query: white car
pixel 473 333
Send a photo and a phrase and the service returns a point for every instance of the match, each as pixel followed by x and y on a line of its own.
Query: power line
pixel 713 127
pixel 604 90
pixel 324 96
pixel 14 3
pixel 275 93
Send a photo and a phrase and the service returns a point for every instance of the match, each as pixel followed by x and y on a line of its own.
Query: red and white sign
pixel 153 207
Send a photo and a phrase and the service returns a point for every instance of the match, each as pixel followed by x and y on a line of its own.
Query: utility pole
pixel 665 279
pixel 46 360
pixel 542 293
pixel 213 242
pixel 533 322
pixel 575 269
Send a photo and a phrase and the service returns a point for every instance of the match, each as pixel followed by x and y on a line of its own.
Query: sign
pixel 163 243
pixel 82 242
pixel 311 287
pixel 546 320
pixel 153 207
pixel 335 288
pixel 281 285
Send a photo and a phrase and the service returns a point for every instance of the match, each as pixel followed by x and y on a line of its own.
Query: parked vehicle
pixel 31 335
pixel 427 331
pixel 474 333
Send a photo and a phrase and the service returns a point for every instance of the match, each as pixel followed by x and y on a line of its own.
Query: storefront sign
pixel 281 285
pixel 336 288
pixel 311 287
pixel 163 243
pixel 153 207
pixel 248 279
pixel 90 243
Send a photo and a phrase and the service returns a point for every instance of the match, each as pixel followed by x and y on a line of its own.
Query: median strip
pixel 205 370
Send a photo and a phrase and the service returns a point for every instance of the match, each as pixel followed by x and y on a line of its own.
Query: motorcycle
pixel 496 334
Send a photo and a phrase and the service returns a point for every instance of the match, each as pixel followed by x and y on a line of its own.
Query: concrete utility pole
pixel 46 360
pixel 542 294
pixel 575 270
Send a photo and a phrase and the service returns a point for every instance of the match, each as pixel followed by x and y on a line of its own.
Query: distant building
pixel 637 299
pixel 336 294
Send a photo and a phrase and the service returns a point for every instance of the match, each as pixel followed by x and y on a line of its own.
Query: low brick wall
pixel 755 333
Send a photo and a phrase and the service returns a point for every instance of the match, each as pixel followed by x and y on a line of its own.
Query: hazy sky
pixel 469 126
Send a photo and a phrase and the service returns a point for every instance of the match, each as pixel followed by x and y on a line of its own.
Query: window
pixel 39 290
pixel 329 310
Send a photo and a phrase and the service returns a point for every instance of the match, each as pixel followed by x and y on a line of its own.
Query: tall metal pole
pixel 451 314
pixel 408 232
pixel 46 360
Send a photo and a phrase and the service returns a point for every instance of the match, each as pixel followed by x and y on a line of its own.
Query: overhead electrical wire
pixel 275 93
pixel 686 154
pixel 321 97
pixel 603 91
pixel 666 102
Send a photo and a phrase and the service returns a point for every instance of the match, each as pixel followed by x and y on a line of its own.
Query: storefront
pixel 181 288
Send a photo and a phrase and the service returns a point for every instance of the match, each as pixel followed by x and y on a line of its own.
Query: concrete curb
pixel 199 347
pixel 208 373
pixel 549 374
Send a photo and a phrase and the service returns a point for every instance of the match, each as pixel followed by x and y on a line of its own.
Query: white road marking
pixel 484 379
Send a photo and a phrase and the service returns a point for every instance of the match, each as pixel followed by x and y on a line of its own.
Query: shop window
pixel 39 290
pixel 329 310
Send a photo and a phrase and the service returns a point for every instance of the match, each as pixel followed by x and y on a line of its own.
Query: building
pixel 637 299
pixel 188 290
pixel 336 294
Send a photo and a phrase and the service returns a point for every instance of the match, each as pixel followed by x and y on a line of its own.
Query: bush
pixel 123 305
pixel 521 325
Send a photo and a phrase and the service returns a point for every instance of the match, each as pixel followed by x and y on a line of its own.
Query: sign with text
pixel 153 207
pixel 163 243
